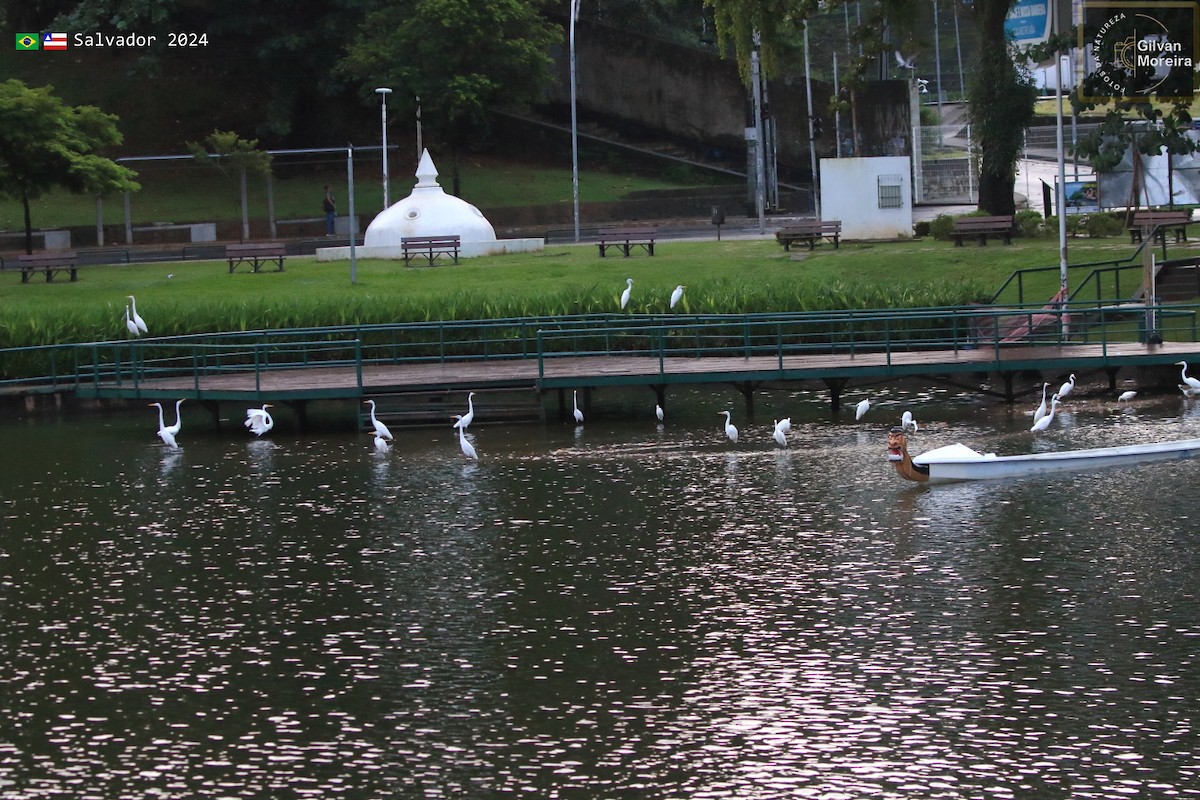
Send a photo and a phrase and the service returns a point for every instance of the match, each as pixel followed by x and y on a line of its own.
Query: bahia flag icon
pixel 28 41
pixel 54 41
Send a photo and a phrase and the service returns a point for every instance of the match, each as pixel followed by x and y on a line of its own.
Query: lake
pixel 616 610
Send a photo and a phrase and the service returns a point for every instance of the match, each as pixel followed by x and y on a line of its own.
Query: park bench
pixel 429 247
pixel 810 232
pixel 49 262
pixel 981 228
pixel 255 254
pixel 1161 221
pixel 625 239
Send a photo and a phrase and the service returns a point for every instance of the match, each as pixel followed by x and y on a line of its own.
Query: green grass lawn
pixel 733 276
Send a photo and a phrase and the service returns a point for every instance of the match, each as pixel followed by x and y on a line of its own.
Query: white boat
pixel 957 462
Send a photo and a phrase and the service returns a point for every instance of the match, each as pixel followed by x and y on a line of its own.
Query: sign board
pixel 1029 22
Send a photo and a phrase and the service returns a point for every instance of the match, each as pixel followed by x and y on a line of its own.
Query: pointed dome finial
pixel 426 172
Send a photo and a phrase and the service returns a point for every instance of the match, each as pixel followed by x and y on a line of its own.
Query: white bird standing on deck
pixel 677 295
pixel 467 449
pixel 861 409
pixel 137 320
pixel 259 420
pixel 625 294
pixel 779 435
pixel 1040 411
pixel 1067 387
pixel 1193 383
pixel 575 404
pixel 1045 421
pixel 1125 397
pixel 164 433
pixel 730 430
pixel 465 420
pixel 380 428
pixel 130 325
pixel 907 422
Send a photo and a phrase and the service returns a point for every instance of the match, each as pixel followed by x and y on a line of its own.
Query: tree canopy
pixel 46 144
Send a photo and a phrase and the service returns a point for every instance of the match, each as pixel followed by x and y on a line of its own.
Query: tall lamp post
pixel 420 147
pixel 574 124
pixel 383 92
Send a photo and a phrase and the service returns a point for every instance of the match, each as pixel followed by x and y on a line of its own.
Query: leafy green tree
pixel 460 57
pixel 46 144
pixel 233 156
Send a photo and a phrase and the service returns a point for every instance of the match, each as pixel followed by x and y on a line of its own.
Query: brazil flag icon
pixel 28 41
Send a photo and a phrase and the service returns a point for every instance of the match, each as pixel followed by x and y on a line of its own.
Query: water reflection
pixel 638 611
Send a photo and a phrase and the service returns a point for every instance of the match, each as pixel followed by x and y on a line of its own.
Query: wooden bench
pixel 430 248
pixel 49 262
pixel 981 228
pixel 1161 221
pixel 625 239
pixel 810 232
pixel 256 254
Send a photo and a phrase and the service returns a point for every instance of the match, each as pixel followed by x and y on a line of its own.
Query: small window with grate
pixel 890 187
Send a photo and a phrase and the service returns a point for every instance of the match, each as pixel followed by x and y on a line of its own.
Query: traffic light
pixel 816 127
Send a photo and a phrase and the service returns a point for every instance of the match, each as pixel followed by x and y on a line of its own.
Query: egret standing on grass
pixel 164 433
pixel 1045 421
pixel 380 428
pixel 625 294
pixel 130 325
pixel 677 295
pixel 137 320
pixel 576 412
pixel 730 430
pixel 259 420
pixel 467 449
pixel 1192 383
pixel 1069 386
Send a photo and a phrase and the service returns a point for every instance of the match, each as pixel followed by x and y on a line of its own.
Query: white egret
pixel 465 420
pixel 907 422
pixel 381 444
pixel 467 449
pixel 1192 382
pixel 259 420
pixel 658 412
pixel 1067 387
pixel 861 409
pixel 130 325
pixel 785 424
pixel 164 433
pixel 730 430
pixel 779 435
pixel 1125 397
pixel 178 426
pixel 380 428
pixel 1045 421
pixel 1188 391
pixel 1040 411
pixel 677 295
pixel 625 294
pixel 137 320
pixel 576 412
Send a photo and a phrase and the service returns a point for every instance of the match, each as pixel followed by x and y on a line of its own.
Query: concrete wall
pixel 850 192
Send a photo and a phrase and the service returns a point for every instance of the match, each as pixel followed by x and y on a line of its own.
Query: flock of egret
pixel 676 295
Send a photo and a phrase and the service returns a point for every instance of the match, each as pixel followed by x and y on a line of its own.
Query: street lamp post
pixel 420 146
pixel 574 124
pixel 383 92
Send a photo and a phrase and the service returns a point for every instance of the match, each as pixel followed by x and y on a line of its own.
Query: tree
pixel 460 57
pixel 233 156
pixel 46 144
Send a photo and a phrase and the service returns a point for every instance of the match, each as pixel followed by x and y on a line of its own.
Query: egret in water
pixel 467 449
pixel 862 408
pixel 677 295
pixel 658 412
pixel 1125 397
pixel 779 435
pixel 1045 421
pixel 907 422
pixel 381 444
pixel 625 294
pixel 164 433
pixel 259 420
pixel 137 319
pixel 1068 387
pixel 1193 383
pixel 380 428
pixel 178 426
pixel 130 325
pixel 730 429
pixel 1188 391
pixel 465 420
pixel 785 424
pixel 575 404
pixel 1040 411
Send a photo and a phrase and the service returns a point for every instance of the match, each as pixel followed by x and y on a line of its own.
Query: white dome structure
pixel 428 211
